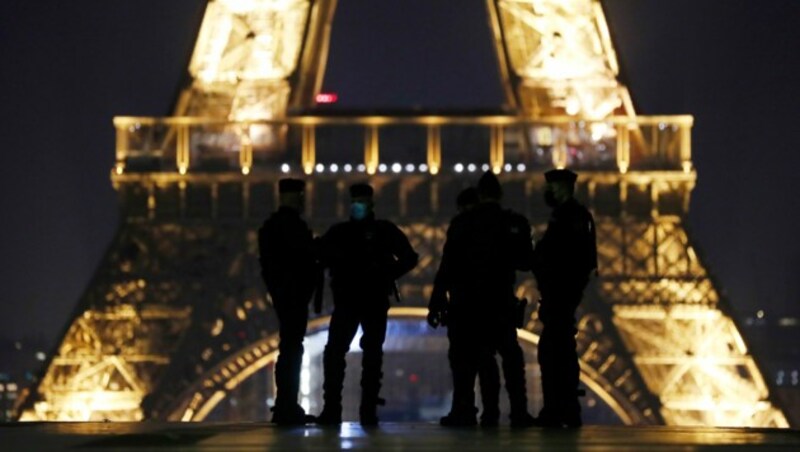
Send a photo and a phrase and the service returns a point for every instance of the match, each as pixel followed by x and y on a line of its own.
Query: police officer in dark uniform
pixel 484 249
pixel 365 257
pixel 289 268
pixel 564 260
pixel 488 373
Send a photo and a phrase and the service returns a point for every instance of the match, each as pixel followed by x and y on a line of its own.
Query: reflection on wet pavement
pixel 351 436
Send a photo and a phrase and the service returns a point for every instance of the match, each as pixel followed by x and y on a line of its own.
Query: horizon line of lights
pixel 398 168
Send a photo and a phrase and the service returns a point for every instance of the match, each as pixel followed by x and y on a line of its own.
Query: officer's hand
pixel 443 317
pixel 434 318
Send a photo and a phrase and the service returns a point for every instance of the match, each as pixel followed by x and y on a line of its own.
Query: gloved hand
pixel 437 317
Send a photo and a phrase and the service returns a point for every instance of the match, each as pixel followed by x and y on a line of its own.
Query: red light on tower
pixel 326 98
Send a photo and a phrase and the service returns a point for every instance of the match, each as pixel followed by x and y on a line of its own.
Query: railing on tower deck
pixel 402 144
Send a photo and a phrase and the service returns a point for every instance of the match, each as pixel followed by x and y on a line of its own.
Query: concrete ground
pixel 416 437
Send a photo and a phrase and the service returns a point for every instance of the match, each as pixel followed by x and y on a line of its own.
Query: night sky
pixel 67 67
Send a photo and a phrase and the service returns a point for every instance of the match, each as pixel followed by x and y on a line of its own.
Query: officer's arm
pixel 441 283
pixel 265 253
pixel 294 244
pixel 324 247
pixel 523 237
pixel 407 258
pixel 308 248
pixel 577 254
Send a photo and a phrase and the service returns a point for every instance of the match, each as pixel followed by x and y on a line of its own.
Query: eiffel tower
pixel 176 317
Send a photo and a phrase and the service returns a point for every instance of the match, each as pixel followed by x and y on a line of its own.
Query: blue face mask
pixel 358 210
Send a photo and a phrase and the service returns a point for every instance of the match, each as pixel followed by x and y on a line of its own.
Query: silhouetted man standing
pixel 288 265
pixel 563 262
pixel 365 257
pixel 484 249
pixel 488 373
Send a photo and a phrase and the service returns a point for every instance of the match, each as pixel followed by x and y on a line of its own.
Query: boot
pixel 547 422
pixel 490 417
pixel 563 422
pixel 463 417
pixel 367 412
pixel 522 420
pixel 571 418
pixel 561 419
pixel 291 415
pixel 330 415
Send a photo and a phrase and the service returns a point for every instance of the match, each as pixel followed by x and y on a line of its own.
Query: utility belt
pixel 484 305
pixel 371 282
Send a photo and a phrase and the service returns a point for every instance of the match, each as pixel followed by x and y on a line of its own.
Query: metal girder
pixel 557 57
pixel 669 315
pixel 177 316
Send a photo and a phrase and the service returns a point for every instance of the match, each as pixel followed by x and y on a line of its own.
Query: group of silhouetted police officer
pixel 473 296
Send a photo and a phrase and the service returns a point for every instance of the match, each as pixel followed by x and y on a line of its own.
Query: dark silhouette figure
pixel 289 268
pixel 488 373
pixel 365 257
pixel 484 249
pixel 563 262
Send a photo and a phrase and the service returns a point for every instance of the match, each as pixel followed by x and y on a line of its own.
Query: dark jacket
pixel 286 254
pixel 485 248
pixel 366 255
pixel 567 253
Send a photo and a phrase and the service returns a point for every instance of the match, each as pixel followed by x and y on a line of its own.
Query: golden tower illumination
pixel 158 335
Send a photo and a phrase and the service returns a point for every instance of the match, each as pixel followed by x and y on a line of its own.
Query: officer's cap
pixel 468 196
pixel 291 186
pixel 361 191
pixel 489 186
pixel 560 175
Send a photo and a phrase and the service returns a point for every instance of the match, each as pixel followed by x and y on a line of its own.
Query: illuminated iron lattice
pixel 245 52
pixel 177 317
pixel 561 53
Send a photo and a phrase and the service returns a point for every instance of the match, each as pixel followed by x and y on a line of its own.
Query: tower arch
pixel 199 399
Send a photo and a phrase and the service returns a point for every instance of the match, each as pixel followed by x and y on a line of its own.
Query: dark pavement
pixel 258 436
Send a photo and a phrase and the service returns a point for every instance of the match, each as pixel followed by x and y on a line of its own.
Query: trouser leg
pixel 462 355
pixel 374 329
pixel 558 360
pixel 292 330
pixel 513 371
pixel 343 327
pixel 489 376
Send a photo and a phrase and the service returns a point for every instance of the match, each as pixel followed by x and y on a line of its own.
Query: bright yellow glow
pixel 371 150
pixel 598 130
pixel 212 402
pixel 246 156
pixel 562 49
pixel 560 132
pixel 187 415
pixel 694 359
pixel 309 151
pixel 434 146
pixel 245 51
pixel 249 40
